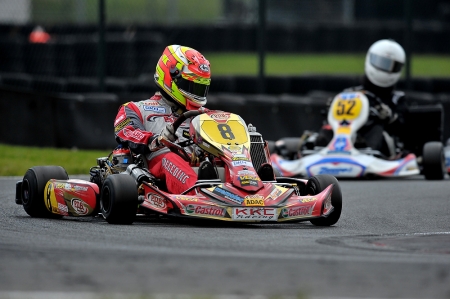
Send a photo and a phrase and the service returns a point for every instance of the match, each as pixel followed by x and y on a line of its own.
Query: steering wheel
pixel 174 147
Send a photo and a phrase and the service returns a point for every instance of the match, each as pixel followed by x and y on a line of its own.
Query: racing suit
pixel 138 124
pixel 387 111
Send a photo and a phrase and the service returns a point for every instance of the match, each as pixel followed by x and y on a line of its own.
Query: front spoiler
pixel 346 166
pixel 292 208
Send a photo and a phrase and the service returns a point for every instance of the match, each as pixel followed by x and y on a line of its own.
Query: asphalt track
pixel 392 241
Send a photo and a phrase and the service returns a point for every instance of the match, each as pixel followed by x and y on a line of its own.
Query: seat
pixel 206 171
pixel 266 173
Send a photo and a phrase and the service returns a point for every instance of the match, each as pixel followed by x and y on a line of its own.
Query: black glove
pixel 384 111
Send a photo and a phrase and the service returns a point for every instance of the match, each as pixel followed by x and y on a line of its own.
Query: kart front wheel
pixel 32 191
pixel 317 184
pixel 119 199
pixel 433 161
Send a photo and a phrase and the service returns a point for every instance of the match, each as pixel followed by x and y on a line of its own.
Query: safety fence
pixel 274 85
pixel 132 51
pixel 85 120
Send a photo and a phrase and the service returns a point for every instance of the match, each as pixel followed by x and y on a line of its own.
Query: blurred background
pixel 67 65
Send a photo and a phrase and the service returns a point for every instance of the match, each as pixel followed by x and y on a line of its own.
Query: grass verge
pixel 303 64
pixel 15 160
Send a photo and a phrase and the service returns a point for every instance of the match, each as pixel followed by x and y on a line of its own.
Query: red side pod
pixel 71 197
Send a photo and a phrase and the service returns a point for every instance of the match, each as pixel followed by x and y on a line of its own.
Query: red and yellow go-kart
pixel 243 187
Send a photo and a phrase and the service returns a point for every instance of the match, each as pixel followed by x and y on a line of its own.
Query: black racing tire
pixel 119 199
pixel 317 184
pixel 32 192
pixel 433 161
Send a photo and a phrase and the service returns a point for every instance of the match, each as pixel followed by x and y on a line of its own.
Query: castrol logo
pixel 79 206
pixel 205 210
pixel 220 117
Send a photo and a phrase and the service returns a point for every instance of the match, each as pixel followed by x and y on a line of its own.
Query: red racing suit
pixel 138 124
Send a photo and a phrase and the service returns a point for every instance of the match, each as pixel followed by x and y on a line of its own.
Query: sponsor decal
pixel 240 157
pixel 205 210
pixel 80 188
pixel 151 103
pixel 234 148
pixel 65 186
pixel 137 135
pixel 349 95
pixel 242 163
pixel 167 119
pixel 297 211
pixel 254 200
pixel 228 195
pixel 246 172
pixel 70 187
pixel 154 109
pixel 174 170
pixel 79 206
pixel 274 194
pixel 220 117
pixel 253 213
pixel 156 200
pixel 335 171
pixel 249 180
pixel 204 68
pixel 186 198
pixel 62 208
pixel 119 119
pixel 122 125
pixel 340 144
pixel 307 199
pixel 339 152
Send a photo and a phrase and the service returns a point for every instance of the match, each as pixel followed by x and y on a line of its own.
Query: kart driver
pixel 383 67
pixel 183 78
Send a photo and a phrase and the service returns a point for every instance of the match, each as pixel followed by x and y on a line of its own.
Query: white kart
pixel 348 112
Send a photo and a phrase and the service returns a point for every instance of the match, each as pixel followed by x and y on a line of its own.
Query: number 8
pixel 225 131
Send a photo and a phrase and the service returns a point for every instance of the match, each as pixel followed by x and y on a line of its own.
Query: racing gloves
pixel 384 112
pixel 167 133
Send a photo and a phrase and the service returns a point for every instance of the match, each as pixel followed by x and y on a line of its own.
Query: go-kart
pixel 242 188
pixel 343 157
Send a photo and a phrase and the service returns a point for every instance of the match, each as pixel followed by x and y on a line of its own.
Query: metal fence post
pixel 261 44
pixel 101 49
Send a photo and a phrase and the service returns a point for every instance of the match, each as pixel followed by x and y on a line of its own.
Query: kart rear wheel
pixel 433 161
pixel 32 192
pixel 119 199
pixel 317 184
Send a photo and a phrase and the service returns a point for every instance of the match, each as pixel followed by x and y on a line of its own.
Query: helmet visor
pixel 385 64
pixel 192 89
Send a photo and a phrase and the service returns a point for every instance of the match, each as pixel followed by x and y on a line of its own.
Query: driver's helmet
pixel 384 62
pixel 183 74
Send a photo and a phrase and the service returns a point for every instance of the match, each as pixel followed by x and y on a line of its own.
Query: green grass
pixel 15 160
pixel 302 64
pixel 49 12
